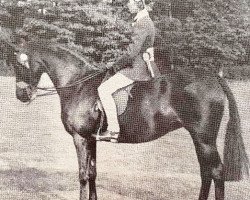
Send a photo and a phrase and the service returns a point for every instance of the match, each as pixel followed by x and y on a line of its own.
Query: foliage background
pixel 211 34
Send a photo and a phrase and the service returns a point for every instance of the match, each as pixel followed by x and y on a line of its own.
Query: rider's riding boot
pixel 109 136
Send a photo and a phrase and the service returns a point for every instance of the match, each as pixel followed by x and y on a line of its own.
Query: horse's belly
pixel 148 135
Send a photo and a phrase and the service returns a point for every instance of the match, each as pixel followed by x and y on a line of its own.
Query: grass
pixel 38 159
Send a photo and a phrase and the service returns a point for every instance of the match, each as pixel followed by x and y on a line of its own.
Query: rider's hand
pixel 110 68
pixel 109 65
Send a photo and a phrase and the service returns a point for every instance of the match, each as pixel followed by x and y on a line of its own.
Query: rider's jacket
pixel 143 38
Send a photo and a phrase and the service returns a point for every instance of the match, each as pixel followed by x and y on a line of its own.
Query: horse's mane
pixel 60 51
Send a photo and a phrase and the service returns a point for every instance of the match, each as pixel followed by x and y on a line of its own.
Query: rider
pixel 135 65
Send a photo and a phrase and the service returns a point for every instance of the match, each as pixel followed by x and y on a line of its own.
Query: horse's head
pixel 27 71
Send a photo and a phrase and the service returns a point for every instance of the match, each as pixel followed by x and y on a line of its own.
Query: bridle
pixel 54 90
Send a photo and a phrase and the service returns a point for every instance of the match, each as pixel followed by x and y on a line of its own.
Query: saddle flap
pixel 121 97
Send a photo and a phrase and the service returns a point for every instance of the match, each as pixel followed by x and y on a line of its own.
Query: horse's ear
pixel 21 40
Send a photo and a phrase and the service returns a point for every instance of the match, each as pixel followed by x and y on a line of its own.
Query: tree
pixel 212 34
pixel 91 27
pixel 208 34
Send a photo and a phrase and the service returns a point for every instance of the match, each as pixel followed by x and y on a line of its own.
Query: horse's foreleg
pixel 92 170
pixel 86 153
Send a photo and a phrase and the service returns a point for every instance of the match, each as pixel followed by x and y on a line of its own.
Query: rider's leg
pixel 105 90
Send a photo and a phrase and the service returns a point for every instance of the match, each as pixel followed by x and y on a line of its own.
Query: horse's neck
pixel 63 74
pixel 82 80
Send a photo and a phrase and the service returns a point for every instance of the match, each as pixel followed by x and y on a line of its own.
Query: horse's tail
pixel 236 162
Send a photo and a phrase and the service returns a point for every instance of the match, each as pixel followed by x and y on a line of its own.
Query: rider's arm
pixel 138 38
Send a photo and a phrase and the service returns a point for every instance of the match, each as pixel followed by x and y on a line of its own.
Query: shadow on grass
pixel 37 181
pixel 150 187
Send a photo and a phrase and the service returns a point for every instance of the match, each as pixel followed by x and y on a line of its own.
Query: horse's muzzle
pixel 23 91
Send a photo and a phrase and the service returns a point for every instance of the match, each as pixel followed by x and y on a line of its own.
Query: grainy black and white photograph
pixel 124 99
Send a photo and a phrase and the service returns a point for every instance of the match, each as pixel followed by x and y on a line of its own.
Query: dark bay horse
pixel 193 99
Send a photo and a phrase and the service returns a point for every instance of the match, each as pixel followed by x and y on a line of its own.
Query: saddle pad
pixel 121 98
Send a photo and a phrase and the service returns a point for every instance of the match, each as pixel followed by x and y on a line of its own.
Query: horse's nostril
pixel 23 92
pixel 23 98
pixel 22 95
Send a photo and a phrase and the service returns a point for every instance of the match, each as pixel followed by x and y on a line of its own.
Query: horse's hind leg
pixel 210 168
pixel 86 153
pixel 204 134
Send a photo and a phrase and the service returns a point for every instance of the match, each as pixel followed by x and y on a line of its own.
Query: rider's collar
pixel 141 14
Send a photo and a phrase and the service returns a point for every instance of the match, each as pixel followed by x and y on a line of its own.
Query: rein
pixel 84 79
pixel 53 90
